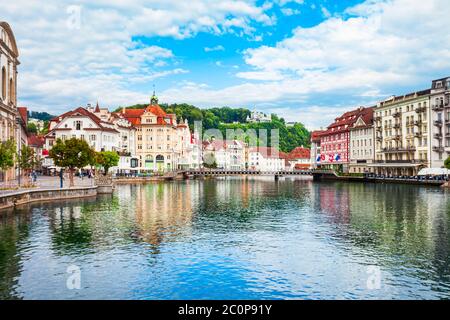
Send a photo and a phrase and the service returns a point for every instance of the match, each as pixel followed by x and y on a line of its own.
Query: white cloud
pixel 325 12
pixel 216 48
pixel 290 12
pixel 387 46
pixel 65 63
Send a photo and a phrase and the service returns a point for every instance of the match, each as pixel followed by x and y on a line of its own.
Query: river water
pixel 232 239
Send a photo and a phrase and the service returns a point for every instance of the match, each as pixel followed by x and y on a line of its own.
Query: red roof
pixel 315 135
pixel 300 153
pixel 82 111
pixel 36 141
pixel 23 112
pixel 347 120
pixel 134 115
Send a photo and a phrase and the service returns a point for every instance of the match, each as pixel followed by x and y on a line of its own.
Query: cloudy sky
pixel 303 59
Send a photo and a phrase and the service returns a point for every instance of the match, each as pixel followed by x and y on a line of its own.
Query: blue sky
pixel 306 60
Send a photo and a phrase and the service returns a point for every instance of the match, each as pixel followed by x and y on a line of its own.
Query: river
pixel 232 238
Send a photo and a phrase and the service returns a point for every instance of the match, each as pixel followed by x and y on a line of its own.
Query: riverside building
pixel 335 141
pixel 362 144
pixel 10 119
pixel 162 142
pixel 402 133
pixel 440 121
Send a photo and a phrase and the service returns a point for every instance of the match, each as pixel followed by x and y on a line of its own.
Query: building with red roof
pixel 335 141
pixel 298 159
pixel 162 142
pixel 362 143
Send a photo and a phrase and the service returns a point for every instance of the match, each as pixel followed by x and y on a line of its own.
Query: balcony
pixel 418 134
pixel 421 109
pixel 397 137
pixel 397 115
pixel 399 149
pixel 439 149
pixel 438 136
pixel 438 123
pixel 438 107
pixel 397 126
pixel 379 138
pixel 400 161
pixel 418 123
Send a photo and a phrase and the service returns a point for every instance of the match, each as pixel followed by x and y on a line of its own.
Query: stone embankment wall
pixel 22 197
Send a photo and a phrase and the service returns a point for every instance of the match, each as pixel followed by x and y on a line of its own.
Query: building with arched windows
pixel 8 90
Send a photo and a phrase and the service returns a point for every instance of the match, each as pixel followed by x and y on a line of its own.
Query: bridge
pixel 316 174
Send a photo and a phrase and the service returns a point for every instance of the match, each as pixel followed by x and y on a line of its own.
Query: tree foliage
pixel 31 128
pixel 26 159
pixel 7 153
pixel 72 153
pixel 107 159
pixel 447 163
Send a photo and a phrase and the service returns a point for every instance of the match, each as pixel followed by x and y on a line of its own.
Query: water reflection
pixel 232 238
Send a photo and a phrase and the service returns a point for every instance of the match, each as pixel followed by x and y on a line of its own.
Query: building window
pixel 3 83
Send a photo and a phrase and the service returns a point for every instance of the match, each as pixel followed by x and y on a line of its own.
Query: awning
pixel 434 172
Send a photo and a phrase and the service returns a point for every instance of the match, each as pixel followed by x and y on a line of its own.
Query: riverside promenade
pixel 46 188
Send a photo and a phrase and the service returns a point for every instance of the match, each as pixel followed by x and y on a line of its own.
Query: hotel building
pixel 161 141
pixel 402 133
pixel 440 121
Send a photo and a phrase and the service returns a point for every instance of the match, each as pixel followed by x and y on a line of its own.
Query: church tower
pixel 154 98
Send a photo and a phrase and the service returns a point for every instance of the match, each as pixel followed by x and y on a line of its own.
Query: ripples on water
pixel 232 239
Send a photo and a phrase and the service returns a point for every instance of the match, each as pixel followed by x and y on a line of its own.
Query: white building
pixel 9 116
pixel 99 134
pixel 229 154
pixel 257 116
pixel 265 159
pixel 440 122
pixel 126 144
pixel 402 134
pixel 362 144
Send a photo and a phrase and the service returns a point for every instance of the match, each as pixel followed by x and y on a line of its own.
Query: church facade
pixel 9 116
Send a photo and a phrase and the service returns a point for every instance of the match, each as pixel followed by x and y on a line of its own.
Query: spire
pixel 154 98
pixel 97 108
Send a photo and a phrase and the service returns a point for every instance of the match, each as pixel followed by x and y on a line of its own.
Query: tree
pixel 31 128
pixel 7 153
pixel 26 160
pixel 73 153
pixel 447 163
pixel 107 159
